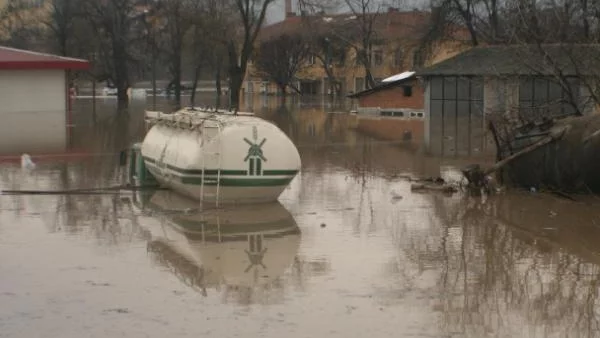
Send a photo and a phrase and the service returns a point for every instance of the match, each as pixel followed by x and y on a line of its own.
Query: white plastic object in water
pixel 26 162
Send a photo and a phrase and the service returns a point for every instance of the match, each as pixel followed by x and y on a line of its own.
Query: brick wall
pixel 394 98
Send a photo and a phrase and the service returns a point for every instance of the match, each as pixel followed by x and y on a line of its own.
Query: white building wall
pixel 32 90
pixel 33 111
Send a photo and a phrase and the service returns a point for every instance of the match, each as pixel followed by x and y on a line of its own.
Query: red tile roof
pixel 12 58
pixel 411 25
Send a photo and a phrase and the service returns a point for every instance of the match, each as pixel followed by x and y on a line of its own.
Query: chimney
pixel 288 9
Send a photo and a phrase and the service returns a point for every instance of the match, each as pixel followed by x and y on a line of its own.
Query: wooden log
pixel 445 188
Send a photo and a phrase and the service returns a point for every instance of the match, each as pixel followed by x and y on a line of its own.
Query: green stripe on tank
pixel 223 172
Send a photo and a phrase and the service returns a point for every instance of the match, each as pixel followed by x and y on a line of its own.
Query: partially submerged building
pixel 34 92
pixel 463 93
pixel 398 43
pixel 392 110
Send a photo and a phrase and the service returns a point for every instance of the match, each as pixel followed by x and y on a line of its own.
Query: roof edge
pixel 25 51
pixel 382 86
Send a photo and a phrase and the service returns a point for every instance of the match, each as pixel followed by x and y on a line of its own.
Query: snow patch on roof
pixel 398 77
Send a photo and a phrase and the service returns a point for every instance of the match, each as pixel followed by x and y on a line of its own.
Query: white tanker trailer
pixel 217 156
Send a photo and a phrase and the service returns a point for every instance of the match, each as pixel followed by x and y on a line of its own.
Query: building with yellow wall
pixel 398 46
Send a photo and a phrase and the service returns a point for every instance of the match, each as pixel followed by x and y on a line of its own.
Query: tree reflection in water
pixel 513 265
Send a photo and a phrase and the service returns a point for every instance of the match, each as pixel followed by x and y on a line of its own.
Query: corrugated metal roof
pixel 568 59
pixel 12 58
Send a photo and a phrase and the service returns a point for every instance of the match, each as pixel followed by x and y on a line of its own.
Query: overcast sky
pixel 276 11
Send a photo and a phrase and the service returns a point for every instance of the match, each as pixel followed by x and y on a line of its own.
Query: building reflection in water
pixel 242 251
pixel 33 132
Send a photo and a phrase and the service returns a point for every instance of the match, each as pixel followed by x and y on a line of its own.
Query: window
pixel 391 113
pixel 377 58
pixel 407 91
pixel 398 57
pixel 311 60
pixel 417 58
pixel 359 84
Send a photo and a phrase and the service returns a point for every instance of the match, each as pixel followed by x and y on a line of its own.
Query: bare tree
pixel 252 15
pixel 366 14
pixel 208 50
pixel 331 52
pixel 178 17
pixel 358 31
pixel 118 24
pixel 199 48
pixel 281 58
pixel 61 23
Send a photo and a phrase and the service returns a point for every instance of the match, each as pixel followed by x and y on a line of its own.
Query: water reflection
pixel 33 132
pixel 242 251
pixel 514 265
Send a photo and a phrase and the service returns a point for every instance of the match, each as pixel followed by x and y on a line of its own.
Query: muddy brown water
pixel 348 252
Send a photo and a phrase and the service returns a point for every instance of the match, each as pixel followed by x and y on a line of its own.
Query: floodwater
pixel 349 251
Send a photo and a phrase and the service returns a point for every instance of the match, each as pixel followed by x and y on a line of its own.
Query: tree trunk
pixel 282 88
pixel 586 23
pixel 63 44
pixel 494 20
pixel 369 81
pixel 121 71
pixel 236 78
pixel 195 85
pixel 218 80
pixel 177 80
pixel 218 101
pixel 176 66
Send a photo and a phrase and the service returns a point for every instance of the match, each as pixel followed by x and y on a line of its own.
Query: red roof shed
pixel 36 101
pixel 12 58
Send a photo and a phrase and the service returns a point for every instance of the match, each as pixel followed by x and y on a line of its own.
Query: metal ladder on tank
pixel 204 153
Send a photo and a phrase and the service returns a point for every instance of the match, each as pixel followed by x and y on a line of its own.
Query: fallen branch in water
pixel 553 136
pixel 479 178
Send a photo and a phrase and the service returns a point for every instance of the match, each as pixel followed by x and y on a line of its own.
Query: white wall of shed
pixel 32 90
pixel 33 110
